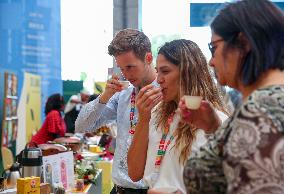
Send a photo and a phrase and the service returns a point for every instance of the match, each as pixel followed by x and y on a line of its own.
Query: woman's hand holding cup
pixel 147 98
pixel 199 113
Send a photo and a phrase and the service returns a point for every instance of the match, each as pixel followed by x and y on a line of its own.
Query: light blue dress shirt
pixel 94 114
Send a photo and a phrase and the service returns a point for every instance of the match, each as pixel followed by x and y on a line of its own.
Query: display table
pixel 89 188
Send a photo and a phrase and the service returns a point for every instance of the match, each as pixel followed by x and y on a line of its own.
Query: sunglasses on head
pixel 212 46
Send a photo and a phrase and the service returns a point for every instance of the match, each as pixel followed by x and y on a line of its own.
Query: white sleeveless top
pixel 170 175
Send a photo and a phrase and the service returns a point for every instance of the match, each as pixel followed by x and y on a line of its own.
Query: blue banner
pixel 201 14
pixel 30 41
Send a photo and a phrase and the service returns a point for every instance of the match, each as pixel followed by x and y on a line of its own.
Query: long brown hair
pixel 196 80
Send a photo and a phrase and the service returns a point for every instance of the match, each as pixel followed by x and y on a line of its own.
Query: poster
pixel 59 169
pixel 30 37
pixel 29 108
pixel 33 104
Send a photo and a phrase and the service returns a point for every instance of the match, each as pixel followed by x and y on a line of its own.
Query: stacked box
pixel 28 185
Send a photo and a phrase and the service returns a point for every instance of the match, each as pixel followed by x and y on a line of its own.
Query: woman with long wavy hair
pixel 162 143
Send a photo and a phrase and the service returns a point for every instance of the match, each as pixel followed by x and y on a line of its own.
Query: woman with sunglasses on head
pixel 161 143
pixel 246 154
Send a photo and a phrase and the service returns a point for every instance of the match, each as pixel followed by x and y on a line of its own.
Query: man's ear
pixel 149 58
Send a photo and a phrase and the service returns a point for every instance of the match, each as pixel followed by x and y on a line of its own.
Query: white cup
pixel 192 102
pixel 168 189
pixel 124 84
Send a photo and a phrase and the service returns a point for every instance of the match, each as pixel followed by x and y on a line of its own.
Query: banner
pixel 31 43
pixel 201 14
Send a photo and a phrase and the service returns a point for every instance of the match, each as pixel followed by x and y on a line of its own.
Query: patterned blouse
pixel 246 154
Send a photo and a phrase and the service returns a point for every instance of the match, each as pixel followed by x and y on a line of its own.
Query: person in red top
pixel 54 125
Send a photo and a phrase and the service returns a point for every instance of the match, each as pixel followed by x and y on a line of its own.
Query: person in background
pixel 246 154
pixel 73 107
pixel 131 50
pixel 162 143
pixel 91 133
pixel 53 125
pixel 92 97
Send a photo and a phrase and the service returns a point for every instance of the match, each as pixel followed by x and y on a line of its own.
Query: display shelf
pixel 10 117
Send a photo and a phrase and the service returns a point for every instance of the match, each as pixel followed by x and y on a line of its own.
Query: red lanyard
pixel 163 146
pixel 132 111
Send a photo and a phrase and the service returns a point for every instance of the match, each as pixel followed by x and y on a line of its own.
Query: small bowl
pixel 192 102
pixel 74 143
pixel 168 189
pixel 75 147
pixel 124 84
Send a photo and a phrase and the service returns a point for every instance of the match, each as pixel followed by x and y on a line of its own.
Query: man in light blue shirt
pixel 131 50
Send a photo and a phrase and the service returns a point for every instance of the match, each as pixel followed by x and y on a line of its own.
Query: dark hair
pixel 262 24
pixel 54 102
pixel 130 40
pixel 92 97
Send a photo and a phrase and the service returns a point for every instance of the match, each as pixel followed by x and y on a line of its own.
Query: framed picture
pixel 8 84
pixel 14 129
pixel 10 119
pixel 14 85
pixel 14 108
pixel 5 134
pixel 8 109
pixel 10 132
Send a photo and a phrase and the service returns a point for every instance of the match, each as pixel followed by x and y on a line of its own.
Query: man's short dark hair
pixel 130 40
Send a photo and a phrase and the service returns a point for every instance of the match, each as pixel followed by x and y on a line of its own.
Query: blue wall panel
pixel 30 42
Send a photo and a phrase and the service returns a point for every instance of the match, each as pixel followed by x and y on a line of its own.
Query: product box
pixel 28 185
pixel 45 188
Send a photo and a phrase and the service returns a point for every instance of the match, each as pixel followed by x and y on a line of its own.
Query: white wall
pixel 86 31
pixel 169 17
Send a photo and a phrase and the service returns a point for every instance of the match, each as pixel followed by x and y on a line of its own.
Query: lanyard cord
pixel 131 114
pixel 163 145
